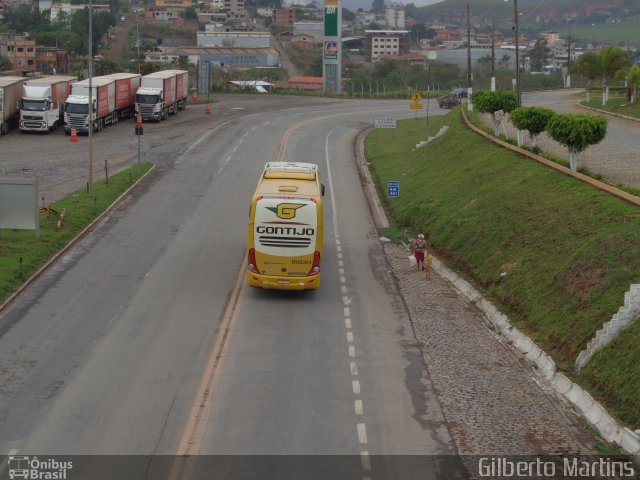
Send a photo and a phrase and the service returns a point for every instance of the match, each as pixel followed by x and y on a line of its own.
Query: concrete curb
pixel 377 210
pixel 72 242
pixel 583 402
pixel 595 413
pixel 605 187
pixel 613 114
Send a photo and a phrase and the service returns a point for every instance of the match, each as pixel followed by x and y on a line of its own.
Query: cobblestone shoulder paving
pixel 616 157
pixel 494 402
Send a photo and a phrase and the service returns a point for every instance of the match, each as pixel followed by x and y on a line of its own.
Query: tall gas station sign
pixel 332 47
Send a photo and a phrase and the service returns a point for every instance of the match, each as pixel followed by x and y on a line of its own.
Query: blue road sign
pixel 393 189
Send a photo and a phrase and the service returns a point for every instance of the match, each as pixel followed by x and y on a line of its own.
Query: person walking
pixel 419 249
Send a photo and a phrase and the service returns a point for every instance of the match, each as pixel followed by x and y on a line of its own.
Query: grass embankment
pixel 568 254
pixel 21 254
pixel 616 104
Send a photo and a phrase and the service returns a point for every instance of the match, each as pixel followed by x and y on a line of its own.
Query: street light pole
pixel 568 82
pixel 469 74
pixel 90 122
pixel 468 48
pixel 517 31
pixel 138 38
pixel 493 54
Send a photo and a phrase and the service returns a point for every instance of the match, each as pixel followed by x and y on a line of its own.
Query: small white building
pixel 314 29
pixel 68 8
pixel 212 38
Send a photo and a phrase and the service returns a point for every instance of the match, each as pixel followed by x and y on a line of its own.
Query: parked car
pixel 460 92
pixel 448 101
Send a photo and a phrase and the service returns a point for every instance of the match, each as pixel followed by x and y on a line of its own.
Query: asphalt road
pixel 144 340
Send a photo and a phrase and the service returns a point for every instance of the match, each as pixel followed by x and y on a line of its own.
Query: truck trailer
pixel 42 103
pixel 103 96
pixel 162 94
pixel 127 84
pixel 10 94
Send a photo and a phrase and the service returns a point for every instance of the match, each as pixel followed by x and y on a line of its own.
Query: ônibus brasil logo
pixel 32 468
pixel 286 210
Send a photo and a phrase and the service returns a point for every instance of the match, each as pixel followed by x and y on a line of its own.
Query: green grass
pixel 616 104
pixel 568 254
pixel 615 370
pixel 608 33
pixel 21 254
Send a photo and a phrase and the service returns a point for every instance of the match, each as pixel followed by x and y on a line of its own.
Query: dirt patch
pixel 583 281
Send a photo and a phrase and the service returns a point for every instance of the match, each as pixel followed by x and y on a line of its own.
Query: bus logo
pixel 286 210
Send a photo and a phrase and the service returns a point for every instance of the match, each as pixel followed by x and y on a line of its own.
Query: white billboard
pixel 19 204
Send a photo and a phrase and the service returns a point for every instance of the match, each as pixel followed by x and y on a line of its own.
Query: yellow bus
pixel 285 228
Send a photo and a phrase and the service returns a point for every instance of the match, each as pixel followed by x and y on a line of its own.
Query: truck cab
pixel 76 113
pixel 150 104
pixel 37 111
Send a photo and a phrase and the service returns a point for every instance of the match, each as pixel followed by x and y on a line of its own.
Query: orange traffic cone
pixel 207 109
pixel 74 135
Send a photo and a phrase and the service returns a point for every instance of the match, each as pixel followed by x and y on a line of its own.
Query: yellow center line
pixel 193 433
pixel 293 128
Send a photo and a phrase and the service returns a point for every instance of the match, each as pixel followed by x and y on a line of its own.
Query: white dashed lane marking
pixel 351 349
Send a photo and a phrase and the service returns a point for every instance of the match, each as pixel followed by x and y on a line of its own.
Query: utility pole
pixel 469 74
pixel 90 122
pixel 468 48
pixel 568 85
pixel 493 54
pixel 138 38
pixel 517 31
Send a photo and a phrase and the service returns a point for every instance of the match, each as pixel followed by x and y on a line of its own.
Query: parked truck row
pixel 41 104
pixel 112 98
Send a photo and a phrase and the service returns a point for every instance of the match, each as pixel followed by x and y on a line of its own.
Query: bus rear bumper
pixel 280 283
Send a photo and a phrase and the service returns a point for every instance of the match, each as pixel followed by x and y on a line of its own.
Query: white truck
pixel 162 94
pixel 42 103
pixel 10 94
pixel 76 109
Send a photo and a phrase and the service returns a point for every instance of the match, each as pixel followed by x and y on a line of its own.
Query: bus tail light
pixel 252 261
pixel 315 267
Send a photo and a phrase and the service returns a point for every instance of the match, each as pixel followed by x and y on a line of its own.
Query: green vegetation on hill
pixel 608 33
pixel 566 254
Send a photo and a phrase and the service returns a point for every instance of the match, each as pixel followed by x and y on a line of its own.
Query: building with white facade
pixel 385 43
pixel 395 17
pixel 212 38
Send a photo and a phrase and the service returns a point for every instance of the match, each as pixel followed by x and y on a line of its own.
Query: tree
pixel 633 79
pixel 613 60
pixel 494 103
pixel 348 15
pixel 190 13
pixel 532 119
pixel 577 132
pixel 539 55
pixel 377 6
pixel 589 67
pixel 603 65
